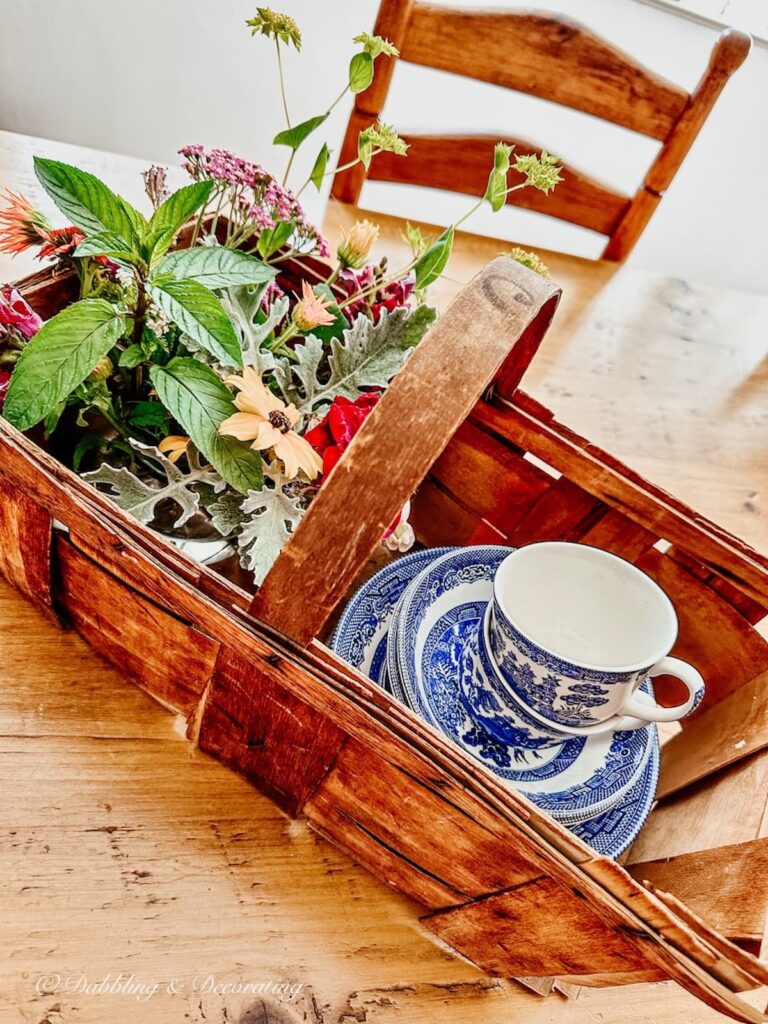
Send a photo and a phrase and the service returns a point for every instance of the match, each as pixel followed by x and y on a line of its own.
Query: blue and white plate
pixel 614 831
pixel 441 609
pixel 360 637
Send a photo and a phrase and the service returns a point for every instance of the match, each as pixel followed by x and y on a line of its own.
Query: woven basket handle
pixel 492 328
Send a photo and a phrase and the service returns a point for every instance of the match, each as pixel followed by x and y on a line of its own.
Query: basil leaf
pixel 149 414
pixel 88 203
pixel 431 265
pixel 215 267
pixel 59 357
pixel 360 72
pixel 198 313
pixel 132 356
pixel 173 214
pixel 320 166
pixel 293 137
pixel 104 243
pixel 200 402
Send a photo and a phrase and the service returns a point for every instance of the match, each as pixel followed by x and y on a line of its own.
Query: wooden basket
pixel 499 880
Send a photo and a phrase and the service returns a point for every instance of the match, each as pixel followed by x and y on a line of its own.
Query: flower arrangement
pixel 217 362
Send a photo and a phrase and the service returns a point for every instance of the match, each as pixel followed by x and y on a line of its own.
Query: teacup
pixel 575 631
pixel 493 705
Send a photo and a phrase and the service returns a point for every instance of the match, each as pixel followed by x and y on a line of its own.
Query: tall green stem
pixel 282 82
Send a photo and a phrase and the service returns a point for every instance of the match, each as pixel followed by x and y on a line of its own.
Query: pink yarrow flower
pixel 256 197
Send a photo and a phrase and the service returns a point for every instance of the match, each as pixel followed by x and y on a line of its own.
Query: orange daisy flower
pixel 21 225
pixel 310 311
pixel 267 422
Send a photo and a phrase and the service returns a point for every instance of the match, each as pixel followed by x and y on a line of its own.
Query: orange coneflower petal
pixel 298 455
pixel 242 425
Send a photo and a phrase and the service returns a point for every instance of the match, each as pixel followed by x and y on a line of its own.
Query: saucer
pixel 614 831
pixel 573 781
pixel 360 637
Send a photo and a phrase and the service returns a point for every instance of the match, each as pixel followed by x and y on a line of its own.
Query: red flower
pixel 354 283
pixel 333 434
pixel 5 380
pixel 16 312
pixel 61 242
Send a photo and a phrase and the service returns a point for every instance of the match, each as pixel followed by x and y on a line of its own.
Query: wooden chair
pixel 556 59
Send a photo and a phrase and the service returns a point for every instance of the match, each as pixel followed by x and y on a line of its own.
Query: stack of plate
pixel 406 629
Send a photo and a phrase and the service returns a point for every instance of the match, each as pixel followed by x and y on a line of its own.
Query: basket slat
pixel 712 632
pixel 529 426
pixel 548 929
pixel 170 658
pixel 727 732
pixel 361 803
pixel 728 807
pixel 250 720
pixel 25 551
pixel 726 886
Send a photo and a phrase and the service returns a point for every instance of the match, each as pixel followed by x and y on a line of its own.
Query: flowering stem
pixel 290 164
pixel 282 81
pixel 339 98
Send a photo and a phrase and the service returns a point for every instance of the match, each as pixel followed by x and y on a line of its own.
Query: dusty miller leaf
pixel 273 517
pixel 242 306
pixel 369 355
pixel 226 512
pixel 141 499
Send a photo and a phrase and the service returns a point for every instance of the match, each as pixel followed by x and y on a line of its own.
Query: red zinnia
pixel 333 434
pixel 61 242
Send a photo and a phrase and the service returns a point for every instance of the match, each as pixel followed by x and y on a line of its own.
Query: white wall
pixel 147 76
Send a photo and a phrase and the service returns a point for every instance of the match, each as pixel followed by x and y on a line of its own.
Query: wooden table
pixel 127 854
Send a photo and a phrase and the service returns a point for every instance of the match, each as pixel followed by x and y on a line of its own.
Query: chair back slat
pixel 553 58
pixel 548 56
pixel 459 163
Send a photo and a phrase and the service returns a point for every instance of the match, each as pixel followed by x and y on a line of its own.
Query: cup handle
pixel 653 712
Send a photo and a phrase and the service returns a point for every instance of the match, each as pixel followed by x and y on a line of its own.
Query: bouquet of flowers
pixel 218 362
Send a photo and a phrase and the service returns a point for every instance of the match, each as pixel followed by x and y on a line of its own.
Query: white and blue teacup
pixel 491 703
pixel 574 631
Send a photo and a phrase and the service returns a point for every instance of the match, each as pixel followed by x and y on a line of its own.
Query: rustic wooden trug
pixel 500 881
pixel 555 59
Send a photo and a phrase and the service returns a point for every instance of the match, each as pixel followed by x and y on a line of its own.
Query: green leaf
pixel 496 190
pixel 131 357
pixel 431 265
pixel 197 311
pixel 200 402
pixel 88 203
pixel 320 167
pixel 171 215
pixel 365 149
pixel 105 243
pixel 59 357
pixel 368 356
pixel 360 72
pixel 215 267
pixel 274 238
pixel 149 414
pixel 293 137
pixel 86 444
